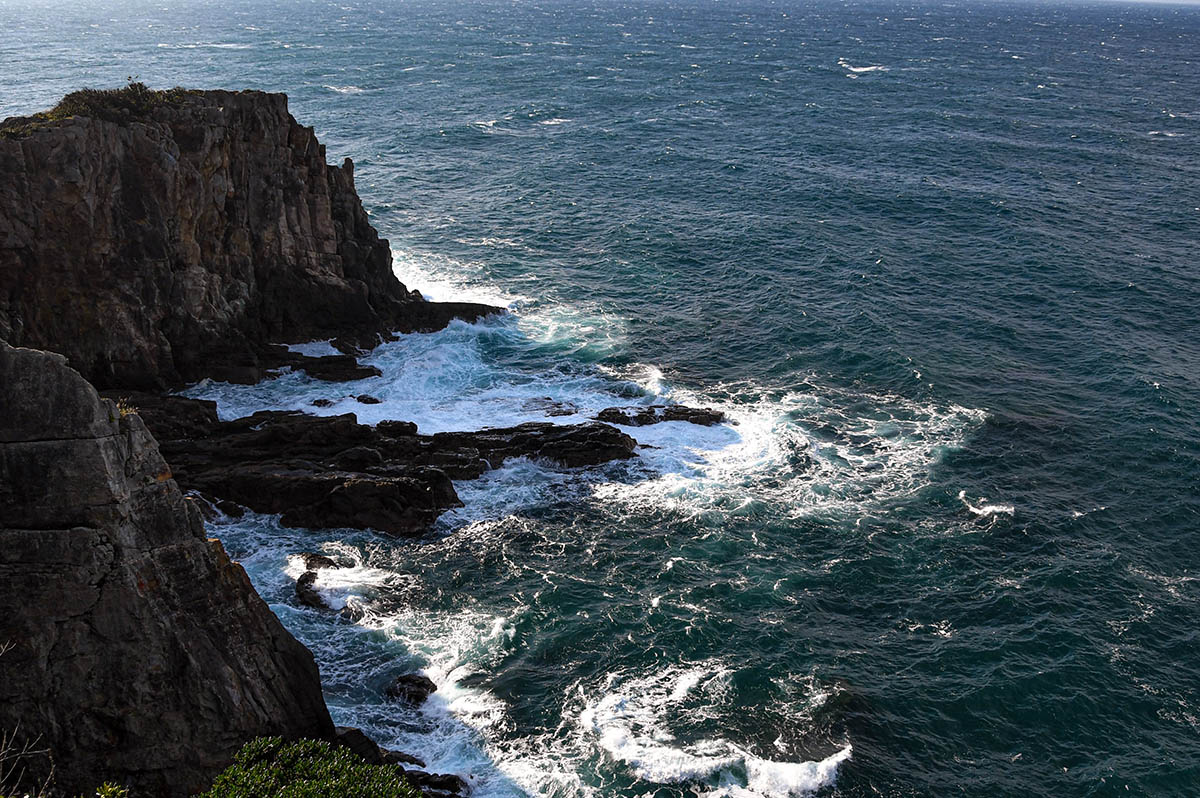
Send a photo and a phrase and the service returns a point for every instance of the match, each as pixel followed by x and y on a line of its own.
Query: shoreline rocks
pixel 332 472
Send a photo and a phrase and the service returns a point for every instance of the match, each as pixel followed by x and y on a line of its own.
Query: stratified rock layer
pixel 175 246
pixel 139 652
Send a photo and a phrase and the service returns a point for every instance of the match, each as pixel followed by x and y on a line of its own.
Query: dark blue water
pixel 937 261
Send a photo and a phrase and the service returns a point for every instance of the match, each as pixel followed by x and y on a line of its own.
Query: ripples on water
pixel 936 261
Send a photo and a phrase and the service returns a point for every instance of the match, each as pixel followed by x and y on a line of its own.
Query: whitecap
pixel 842 62
pixel 983 509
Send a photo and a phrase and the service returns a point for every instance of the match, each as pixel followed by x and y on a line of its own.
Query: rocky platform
pixel 332 472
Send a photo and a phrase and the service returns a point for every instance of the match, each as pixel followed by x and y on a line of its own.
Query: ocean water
pixel 938 263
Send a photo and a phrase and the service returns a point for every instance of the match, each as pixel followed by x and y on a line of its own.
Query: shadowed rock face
pixel 140 652
pixel 165 249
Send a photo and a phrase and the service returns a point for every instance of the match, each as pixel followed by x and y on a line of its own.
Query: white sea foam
pixel 814 451
pixel 315 348
pixel 346 89
pixel 442 279
pixel 631 722
pixel 983 509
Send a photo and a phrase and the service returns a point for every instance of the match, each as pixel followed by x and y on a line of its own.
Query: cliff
pixel 178 236
pixel 139 652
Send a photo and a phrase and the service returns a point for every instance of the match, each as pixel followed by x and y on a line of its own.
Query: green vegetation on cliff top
pixel 131 102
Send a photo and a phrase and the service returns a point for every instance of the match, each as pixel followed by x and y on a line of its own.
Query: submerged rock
pixel 139 652
pixel 655 414
pixel 159 250
pixel 411 688
pixel 315 562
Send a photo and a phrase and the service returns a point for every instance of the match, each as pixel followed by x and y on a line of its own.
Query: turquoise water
pixel 937 262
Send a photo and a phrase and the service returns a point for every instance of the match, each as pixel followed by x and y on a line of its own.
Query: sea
pixel 936 261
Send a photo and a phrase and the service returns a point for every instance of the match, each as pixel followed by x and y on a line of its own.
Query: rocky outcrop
pixel 334 472
pixel 139 652
pixel 656 414
pixel 180 242
pixel 411 688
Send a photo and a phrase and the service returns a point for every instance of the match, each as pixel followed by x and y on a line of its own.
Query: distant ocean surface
pixel 940 264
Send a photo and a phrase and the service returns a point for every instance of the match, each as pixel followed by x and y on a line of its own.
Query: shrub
pixel 270 768
pixel 134 101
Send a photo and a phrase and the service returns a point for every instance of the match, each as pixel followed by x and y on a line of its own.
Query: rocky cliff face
pixel 139 652
pixel 173 246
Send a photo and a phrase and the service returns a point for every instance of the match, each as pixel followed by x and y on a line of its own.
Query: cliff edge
pixel 157 238
pixel 136 650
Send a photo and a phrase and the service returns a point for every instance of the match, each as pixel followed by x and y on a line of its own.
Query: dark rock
pixel 572 446
pixel 434 785
pixel 175 417
pixel 178 246
pixel 552 407
pixel 322 402
pixel 411 688
pixel 332 368
pixel 358 458
pixel 231 509
pixel 307 594
pixel 438 783
pixel 396 429
pixel 654 414
pixel 367 399
pixel 331 471
pixel 141 654
pixel 351 612
pixel 358 742
pixel 315 562
pixel 400 758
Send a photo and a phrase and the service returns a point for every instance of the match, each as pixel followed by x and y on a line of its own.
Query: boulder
pixel 315 562
pixel 411 688
pixel 306 591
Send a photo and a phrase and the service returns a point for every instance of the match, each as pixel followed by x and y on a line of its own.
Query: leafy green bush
pixel 270 768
